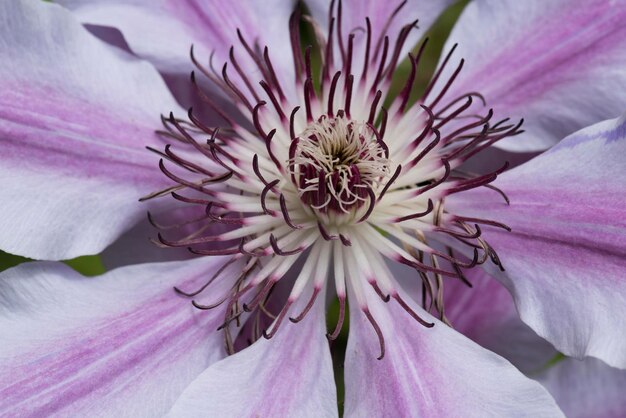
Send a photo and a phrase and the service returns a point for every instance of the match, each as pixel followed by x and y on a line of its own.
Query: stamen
pixel 280 251
pixel 292 117
pixel 234 88
pixel 325 233
pixel 374 106
pixel 368 43
pixel 307 308
pixel 411 312
pixel 285 212
pixel 342 310
pixel 241 74
pixel 294 33
pixel 337 163
pixel 419 214
pixel 381 66
pixel 437 74
pixel 279 320
pixel 379 333
pixel 274 100
pixel 331 94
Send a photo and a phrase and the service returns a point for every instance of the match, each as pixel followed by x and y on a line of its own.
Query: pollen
pixel 337 162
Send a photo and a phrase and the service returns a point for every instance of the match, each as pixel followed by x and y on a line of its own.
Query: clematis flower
pixel 310 183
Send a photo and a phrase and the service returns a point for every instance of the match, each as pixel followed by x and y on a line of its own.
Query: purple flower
pixel 297 180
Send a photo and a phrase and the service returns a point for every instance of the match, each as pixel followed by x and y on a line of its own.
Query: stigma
pixel 337 163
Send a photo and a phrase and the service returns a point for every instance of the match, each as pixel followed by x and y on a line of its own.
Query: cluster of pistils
pixel 337 164
pixel 321 172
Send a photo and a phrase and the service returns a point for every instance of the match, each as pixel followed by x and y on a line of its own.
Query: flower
pixel 322 174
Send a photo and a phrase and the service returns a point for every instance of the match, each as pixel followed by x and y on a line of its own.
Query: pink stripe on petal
pixel 48 130
pixel 81 346
pixel 163 31
pixel 75 118
pixel 557 64
pixel 289 375
pixel 565 258
pixel 431 372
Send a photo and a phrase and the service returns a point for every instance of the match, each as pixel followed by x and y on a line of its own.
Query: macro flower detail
pixel 335 178
pixel 312 180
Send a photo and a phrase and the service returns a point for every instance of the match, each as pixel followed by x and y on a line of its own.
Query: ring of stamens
pixel 279 194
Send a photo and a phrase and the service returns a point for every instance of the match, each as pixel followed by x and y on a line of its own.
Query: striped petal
pixel 486 313
pixel 557 64
pixel 75 117
pixel 121 344
pixel 163 31
pixel 387 18
pixel 565 258
pixel 431 372
pixel 289 375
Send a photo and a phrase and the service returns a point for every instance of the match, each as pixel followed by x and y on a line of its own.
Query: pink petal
pixel 587 389
pixel 75 117
pixel 431 372
pixel 486 314
pixel 379 13
pixel 290 375
pixel 557 64
pixel 565 260
pixel 163 31
pixel 382 19
pixel 135 247
pixel 120 344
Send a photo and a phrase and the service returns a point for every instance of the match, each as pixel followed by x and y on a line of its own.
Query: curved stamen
pixel 204 286
pixel 411 312
pixel 307 308
pixel 429 209
pixel 281 252
pixel 279 320
pixel 342 310
pixel 377 330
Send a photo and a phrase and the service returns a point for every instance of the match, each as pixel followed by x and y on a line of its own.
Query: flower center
pixel 361 186
pixel 335 161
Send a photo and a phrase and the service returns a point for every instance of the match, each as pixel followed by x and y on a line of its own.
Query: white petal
pixel 558 64
pixel 565 259
pixel 121 344
pixel 429 372
pixel 163 31
pixel 587 389
pixel 75 117
pixel 290 375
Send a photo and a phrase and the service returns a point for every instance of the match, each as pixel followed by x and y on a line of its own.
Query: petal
pixel 136 247
pixel 385 19
pixel 587 389
pixel 75 117
pixel 354 13
pixel 486 313
pixel 431 372
pixel 565 258
pixel 121 344
pixel 163 31
pixel 557 64
pixel 289 375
